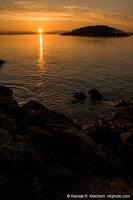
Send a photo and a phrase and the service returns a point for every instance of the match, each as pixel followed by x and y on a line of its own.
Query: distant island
pixel 97 31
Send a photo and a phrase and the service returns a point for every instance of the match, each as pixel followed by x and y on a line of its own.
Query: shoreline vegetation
pixel 46 155
pixel 97 31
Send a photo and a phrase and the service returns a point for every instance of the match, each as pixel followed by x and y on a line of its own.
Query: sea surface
pixel 51 68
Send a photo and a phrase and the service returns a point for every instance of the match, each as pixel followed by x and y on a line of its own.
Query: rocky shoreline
pixel 45 155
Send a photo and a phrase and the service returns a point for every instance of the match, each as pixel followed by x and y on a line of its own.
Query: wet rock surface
pixel 95 94
pixel 79 97
pixel 5 91
pixel 115 134
pixel 45 155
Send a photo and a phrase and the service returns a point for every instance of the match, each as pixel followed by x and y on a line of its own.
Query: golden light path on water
pixel 41 56
pixel 41 61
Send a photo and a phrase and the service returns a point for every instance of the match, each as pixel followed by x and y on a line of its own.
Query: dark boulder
pixel 8 106
pixel 7 123
pixel 126 148
pixel 102 132
pixel 95 94
pixel 80 96
pixel 123 118
pixel 1 62
pixel 6 91
pixel 127 137
pixel 35 113
pixel 74 101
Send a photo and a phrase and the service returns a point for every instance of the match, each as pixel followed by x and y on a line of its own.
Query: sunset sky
pixel 63 15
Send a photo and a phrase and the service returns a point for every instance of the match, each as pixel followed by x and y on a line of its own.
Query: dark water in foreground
pixel 51 68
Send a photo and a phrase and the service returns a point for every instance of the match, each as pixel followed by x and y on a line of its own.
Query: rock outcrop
pixel 79 97
pixel 115 134
pixel 45 155
pixel 95 94
pixel 1 62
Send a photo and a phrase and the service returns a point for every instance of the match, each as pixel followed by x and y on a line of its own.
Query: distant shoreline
pixel 28 33
pixel 17 33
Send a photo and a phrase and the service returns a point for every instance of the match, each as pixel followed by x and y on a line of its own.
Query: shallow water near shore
pixel 51 68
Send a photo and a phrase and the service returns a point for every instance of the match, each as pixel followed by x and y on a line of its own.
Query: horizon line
pixel 17 32
pixel 29 32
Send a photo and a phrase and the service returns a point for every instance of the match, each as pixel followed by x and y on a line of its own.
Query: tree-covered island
pixel 97 31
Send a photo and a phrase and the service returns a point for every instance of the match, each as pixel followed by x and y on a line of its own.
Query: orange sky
pixel 52 15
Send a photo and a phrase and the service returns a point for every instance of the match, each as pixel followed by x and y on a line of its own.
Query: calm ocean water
pixel 51 68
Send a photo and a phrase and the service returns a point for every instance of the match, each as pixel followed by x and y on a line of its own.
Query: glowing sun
pixel 40 30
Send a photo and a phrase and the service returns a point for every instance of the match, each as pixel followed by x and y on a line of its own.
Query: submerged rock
pixel 95 94
pixel 45 154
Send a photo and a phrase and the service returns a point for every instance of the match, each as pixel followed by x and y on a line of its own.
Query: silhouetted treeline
pixel 97 31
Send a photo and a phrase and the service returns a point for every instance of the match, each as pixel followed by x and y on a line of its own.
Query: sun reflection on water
pixel 41 56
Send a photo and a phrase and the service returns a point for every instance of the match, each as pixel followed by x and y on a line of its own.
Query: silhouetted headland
pixel 97 31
